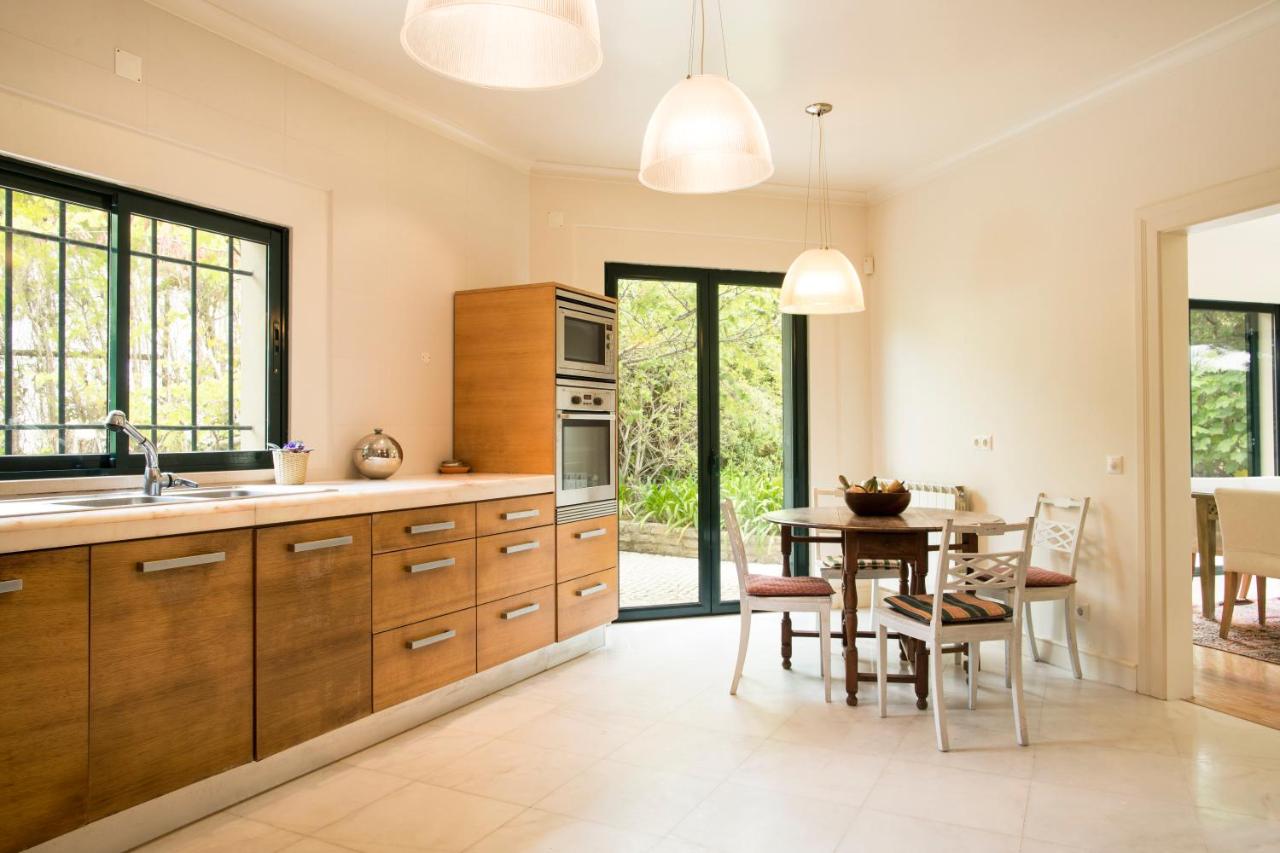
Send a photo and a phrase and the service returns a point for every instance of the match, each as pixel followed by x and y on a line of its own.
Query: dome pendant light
pixel 505 44
pixel 821 280
pixel 705 136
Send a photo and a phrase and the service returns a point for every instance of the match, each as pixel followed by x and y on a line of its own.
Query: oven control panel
pixel 585 398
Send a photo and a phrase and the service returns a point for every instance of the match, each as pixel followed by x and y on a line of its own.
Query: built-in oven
pixel 586 337
pixel 586 441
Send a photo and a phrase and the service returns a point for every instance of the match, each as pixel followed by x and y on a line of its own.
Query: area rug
pixel 1247 637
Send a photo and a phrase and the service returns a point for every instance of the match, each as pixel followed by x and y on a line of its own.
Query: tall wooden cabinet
pixel 171 670
pixel 44 694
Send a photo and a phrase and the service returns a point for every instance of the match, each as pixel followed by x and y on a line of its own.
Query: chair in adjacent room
pixel 1250 544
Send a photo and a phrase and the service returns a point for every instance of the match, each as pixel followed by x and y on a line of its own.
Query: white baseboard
pixel 146 821
pixel 1119 673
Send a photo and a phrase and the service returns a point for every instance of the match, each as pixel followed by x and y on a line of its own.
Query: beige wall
pixel 387 220
pixel 620 221
pixel 1236 261
pixel 1006 305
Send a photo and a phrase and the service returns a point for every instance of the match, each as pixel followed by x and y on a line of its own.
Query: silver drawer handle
pixel 519 514
pixel 521 611
pixel 523 546
pixel 592 590
pixel 414 645
pixel 427 567
pixel 14 585
pixel 434 527
pixel 590 534
pixel 320 544
pixel 182 562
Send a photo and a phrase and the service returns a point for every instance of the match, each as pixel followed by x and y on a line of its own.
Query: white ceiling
pixel 914 82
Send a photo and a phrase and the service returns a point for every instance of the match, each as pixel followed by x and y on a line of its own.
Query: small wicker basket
pixel 291 468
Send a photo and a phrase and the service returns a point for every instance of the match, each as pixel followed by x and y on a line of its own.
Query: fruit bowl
pixel 877 503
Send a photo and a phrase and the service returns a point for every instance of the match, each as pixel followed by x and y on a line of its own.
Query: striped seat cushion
pixel 837 562
pixel 1047 577
pixel 961 607
pixel 767 586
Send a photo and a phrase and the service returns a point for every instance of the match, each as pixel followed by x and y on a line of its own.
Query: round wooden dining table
pixel 902 537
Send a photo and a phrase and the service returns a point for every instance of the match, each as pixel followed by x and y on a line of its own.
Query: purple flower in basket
pixel 292 447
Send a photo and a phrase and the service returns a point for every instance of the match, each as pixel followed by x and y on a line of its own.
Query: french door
pixel 712 403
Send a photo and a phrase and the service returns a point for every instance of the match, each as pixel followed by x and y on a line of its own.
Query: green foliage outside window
pixel 1220 396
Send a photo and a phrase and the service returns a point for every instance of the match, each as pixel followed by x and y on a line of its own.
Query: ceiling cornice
pixel 1210 41
pixel 253 37
pixel 611 175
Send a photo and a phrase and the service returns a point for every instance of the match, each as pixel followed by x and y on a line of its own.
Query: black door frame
pixel 795 428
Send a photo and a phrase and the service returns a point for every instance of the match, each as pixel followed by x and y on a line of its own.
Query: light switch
pixel 1115 464
pixel 128 65
pixel 555 219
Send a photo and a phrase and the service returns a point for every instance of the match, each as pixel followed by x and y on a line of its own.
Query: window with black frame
pixel 116 299
pixel 1233 388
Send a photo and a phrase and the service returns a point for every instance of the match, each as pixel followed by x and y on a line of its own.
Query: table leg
pixel 849 548
pixel 786 617
pixel 922 649
pixel 1207 542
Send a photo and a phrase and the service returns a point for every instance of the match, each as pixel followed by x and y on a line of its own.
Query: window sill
pixel 50 485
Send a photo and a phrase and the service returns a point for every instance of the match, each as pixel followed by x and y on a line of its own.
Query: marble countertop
pixel 34 522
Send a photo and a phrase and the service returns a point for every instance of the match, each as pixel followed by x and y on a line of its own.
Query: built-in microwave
pixel 586 337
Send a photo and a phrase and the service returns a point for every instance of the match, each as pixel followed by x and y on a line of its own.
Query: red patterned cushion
pixel 1047 577
pixel 771 585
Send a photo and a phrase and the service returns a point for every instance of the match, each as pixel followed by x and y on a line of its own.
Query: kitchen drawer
pixel 587 546
pixel 412 528
pixel 314 629
pixel 515 626
pixel 170 666
pixel 509 514
pixel 422 657
pixel 409 586
pixel 585 603
pixel 44 695
pixel 511 563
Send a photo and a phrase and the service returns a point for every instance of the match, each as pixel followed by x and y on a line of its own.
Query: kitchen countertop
pixel 35 522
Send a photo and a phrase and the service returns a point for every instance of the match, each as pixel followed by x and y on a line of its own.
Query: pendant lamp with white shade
pixel 821 280
pixel 705 135
pixel 505 44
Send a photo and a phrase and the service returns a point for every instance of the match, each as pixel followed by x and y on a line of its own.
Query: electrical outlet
pixel 425 357
pixel 1115 464
pixel 1082 612
pixel 982 442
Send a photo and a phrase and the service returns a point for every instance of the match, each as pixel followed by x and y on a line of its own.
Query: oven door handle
pixel 586 416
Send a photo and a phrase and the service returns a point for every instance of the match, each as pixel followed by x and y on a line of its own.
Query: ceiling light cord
pixel 724 38
pixel 698 37
pixel 808 186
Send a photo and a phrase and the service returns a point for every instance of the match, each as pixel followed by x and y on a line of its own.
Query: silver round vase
pixel 378 456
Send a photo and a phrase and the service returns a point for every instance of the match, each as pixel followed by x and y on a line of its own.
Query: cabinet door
pixel 314 649
pixel 171 664
pixel 515 626
pixel 44 694
pixel 511 563
pixel 586 547
pixel 422 657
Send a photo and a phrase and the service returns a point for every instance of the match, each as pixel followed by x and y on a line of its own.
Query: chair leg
pixel 882 665
pixel 875 602
pixel 1008 672
pixel 1262 599
pixel 1019 709
pixel 939 704
pixel 973 675
pixel 1031 635
pixel 1072 646
pixel 824 640
pixel 744 638
pixel 1228 603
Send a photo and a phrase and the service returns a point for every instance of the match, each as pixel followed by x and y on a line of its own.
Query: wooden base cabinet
pixel 422 657
pixel 314 623
pixel 171 670
pixel 585 603
pixel 515 626
pixel 44 695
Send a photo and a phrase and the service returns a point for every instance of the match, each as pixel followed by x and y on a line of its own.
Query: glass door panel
pixel 658 494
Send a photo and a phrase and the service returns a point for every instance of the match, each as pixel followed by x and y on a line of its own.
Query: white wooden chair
pixel 872 570
pixel 774 594
pixel 1251 544
pixel 956 614
pixel 1059 529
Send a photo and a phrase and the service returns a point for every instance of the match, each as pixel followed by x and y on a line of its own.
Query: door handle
pixel 14 585
pixel 414 645
pixel 430 566
pixel 523 546
pixel 522 611
pixel 592 590
pixel 320 544
pixel 182 562
pixel 435 527
pixel 590 534
pixel 519 514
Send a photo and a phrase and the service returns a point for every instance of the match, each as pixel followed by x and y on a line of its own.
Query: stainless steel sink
pixel 222 494
pixel 111 502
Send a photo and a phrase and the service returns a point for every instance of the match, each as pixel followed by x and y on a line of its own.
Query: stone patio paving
pixel 648 579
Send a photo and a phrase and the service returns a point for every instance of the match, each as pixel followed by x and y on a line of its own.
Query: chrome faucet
pixel 153 480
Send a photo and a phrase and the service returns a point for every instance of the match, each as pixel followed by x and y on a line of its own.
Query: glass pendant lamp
pixel 821 280
pixel 705 135
pixel 505 44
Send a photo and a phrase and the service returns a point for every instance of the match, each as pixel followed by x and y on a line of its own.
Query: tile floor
pixel 638 746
